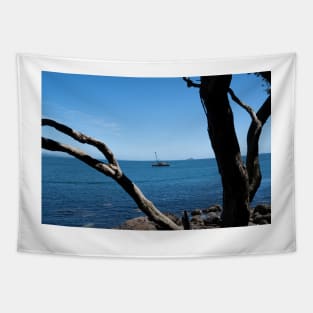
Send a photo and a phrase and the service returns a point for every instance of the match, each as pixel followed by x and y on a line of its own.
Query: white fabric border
pixel 277 237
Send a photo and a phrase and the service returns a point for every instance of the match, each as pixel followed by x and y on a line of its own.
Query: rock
pixel 213 218
pixel 213 208
pixel 138 223
pixel 144 223
pixel 174 218
pixel 267 217
pixel 196 212
pixel 263 221
pixel 263 209
pixel 197 222
pixel 206 210
pixel 261 214
pixel 259 219
pixel 196 219
pixel 256 215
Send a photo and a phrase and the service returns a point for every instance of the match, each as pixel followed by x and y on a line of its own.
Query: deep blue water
pixel 74 194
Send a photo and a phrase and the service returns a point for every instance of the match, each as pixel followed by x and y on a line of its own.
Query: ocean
pixel 73 194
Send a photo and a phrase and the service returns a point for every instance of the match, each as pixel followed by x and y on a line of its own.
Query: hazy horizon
pixel 63 155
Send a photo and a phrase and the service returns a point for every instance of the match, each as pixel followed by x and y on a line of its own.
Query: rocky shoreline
pixel 201 218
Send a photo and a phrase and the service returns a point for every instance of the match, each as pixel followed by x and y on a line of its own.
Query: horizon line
pixel 149 160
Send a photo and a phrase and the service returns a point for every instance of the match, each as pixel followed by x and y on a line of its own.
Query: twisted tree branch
pixel 103 148
pixel 112 170
pixel 52 145
pixel 190 83
pixel 253 136
pixel 246 107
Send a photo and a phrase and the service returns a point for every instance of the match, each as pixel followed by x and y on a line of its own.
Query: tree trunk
pixel 253 136
pixel 235 182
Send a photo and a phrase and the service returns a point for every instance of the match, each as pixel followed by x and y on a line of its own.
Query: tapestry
pixel 181 158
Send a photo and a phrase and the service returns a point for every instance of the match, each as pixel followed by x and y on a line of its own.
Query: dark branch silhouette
pixel 190 83
pixel 185 220
pixel 83 139
pixel 111 169
pixel 253 136
pixel 245 106
pixel 102 167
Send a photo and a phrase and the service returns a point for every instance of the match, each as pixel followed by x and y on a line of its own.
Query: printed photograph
pixel 181 153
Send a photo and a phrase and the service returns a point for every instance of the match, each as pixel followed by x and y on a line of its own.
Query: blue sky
pixel 137 116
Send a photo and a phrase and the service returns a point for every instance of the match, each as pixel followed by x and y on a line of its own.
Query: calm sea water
pixel 73 194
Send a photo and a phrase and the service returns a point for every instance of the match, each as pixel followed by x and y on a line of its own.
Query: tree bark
pixel 145 205
pixel 253 136
pixel 111 169
pixel 213 94
pixel 239 183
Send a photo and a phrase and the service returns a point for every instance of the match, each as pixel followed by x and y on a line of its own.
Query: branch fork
pixel 111 169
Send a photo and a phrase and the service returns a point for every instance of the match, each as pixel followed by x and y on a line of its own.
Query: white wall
pixel 147 30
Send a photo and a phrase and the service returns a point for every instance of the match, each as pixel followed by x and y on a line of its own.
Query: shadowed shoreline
pixel 201 219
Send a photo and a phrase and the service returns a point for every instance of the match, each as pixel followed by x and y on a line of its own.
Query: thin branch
pixel 204 107
pixel 113 170
pixel 103 148
pixel 52 145
pixel 245 106
pixel 190 83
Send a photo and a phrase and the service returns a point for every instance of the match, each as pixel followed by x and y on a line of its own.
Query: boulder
pixel 259 219
pixel 196 219
pixel 196 212
pixel 212 219
pixel 213 208
pixel 174 218
pixel 262 209
pixel 144 223
pixel 138 223
pixel 197 222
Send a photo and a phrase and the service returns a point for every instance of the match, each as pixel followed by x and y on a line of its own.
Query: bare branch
pixel 253 136
pixel 245 106
pixel 190 83
pixel 254 133
pixel 52 145
pixel 112 170
pixel 104 149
